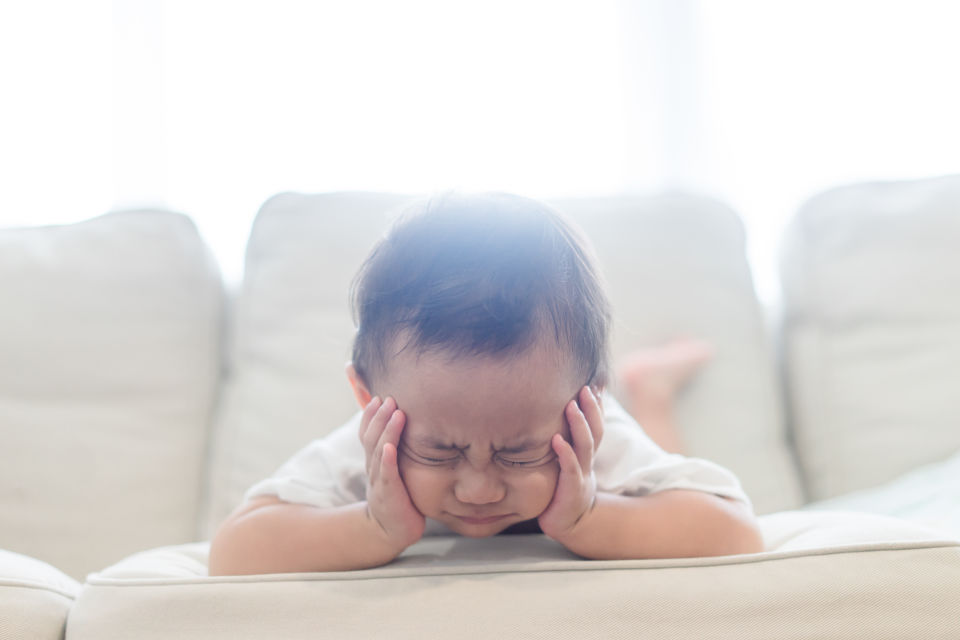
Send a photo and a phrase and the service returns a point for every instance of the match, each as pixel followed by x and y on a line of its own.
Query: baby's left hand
pixel 576 488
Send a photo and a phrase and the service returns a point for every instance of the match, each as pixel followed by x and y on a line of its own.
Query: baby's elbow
pixel 222 560
pixel 740 531
pixel 230 547
pixel 748 539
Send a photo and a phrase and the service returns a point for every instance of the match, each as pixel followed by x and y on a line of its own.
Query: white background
pixel 209 107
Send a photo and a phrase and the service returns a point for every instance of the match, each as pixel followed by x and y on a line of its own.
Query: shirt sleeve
pixel 628 462
pixel 328 472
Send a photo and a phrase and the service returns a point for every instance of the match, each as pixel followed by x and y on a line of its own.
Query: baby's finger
pixel 375 449
pixel 571 474
pixel 389 469
pixel 592 409
pixel 397 499
pixel 389 434
pixel 581 436
pixel 384 472
pixel 393 429
pixel 368 412
pixel 378 423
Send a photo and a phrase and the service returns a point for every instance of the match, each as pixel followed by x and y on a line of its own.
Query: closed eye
pixel 511 461
pixel 431 460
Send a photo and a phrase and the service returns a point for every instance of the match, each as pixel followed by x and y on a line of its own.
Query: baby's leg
pixel 650 379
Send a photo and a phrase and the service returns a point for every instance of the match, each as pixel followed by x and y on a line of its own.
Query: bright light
pixel 210 107
pixel 800 97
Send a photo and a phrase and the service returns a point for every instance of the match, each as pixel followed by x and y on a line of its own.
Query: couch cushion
pixel 872 285
pixel 929 495
pixel 109 339
pixel 35 598
pixel 826 575
pixel 675 266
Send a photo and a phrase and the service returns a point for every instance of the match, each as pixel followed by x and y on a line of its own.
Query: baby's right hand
pixel 388 503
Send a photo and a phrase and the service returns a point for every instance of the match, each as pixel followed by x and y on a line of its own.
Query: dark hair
pixel 486 274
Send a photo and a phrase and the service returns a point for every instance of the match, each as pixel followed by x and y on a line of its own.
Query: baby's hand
pixel 576 488
pixel 388 502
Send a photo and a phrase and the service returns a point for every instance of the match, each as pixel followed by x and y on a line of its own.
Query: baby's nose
pixel 479 486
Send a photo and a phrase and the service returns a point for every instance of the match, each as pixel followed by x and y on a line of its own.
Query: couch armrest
pixel 35 598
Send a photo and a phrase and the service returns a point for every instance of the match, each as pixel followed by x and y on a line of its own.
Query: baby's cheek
pixel 430 489
pixel 410 471
pixel 417 481
pixel 540 485
pixel 403 465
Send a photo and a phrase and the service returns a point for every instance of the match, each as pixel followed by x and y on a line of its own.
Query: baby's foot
pixel 651 378
pixel 659 372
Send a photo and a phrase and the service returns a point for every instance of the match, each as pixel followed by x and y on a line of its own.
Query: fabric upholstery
pixel 109 335
pixel 872 276
pixel 35 598
pixel 676 265
pixel 825 576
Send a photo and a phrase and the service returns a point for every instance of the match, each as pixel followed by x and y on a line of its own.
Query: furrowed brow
pixel 430 442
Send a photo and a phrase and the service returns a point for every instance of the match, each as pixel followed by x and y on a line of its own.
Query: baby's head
pixel 482 316
pixel 487 276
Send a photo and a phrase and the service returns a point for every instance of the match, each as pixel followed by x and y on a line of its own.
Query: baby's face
pixel 475 453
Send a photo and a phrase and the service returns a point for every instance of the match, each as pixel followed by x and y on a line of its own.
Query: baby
pixel 480 363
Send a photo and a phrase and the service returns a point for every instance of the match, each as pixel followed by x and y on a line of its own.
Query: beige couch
pixel 138 400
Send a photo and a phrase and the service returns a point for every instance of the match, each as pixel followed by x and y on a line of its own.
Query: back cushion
pixel 675 265
pixel 871 276
pixel 109 343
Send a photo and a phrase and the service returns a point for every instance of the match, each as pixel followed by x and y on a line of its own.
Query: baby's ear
pixel 360 390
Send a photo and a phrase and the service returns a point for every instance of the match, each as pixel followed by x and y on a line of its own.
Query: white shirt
pixel 330 471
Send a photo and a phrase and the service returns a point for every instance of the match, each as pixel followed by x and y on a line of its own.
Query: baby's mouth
pixel 475 520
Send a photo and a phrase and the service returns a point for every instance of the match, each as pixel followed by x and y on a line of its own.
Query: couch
pixel 140 397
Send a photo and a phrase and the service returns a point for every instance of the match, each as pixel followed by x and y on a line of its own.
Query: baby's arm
pixel 268 535
pixel 667 524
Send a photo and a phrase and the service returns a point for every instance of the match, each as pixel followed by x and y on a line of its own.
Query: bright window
pixel 209 107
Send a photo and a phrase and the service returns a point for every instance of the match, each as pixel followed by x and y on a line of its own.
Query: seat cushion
pixel 35 598
pixel 928 495
pixel 675 265
pixel 825 575
pixel 110 342
pixel 871 278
